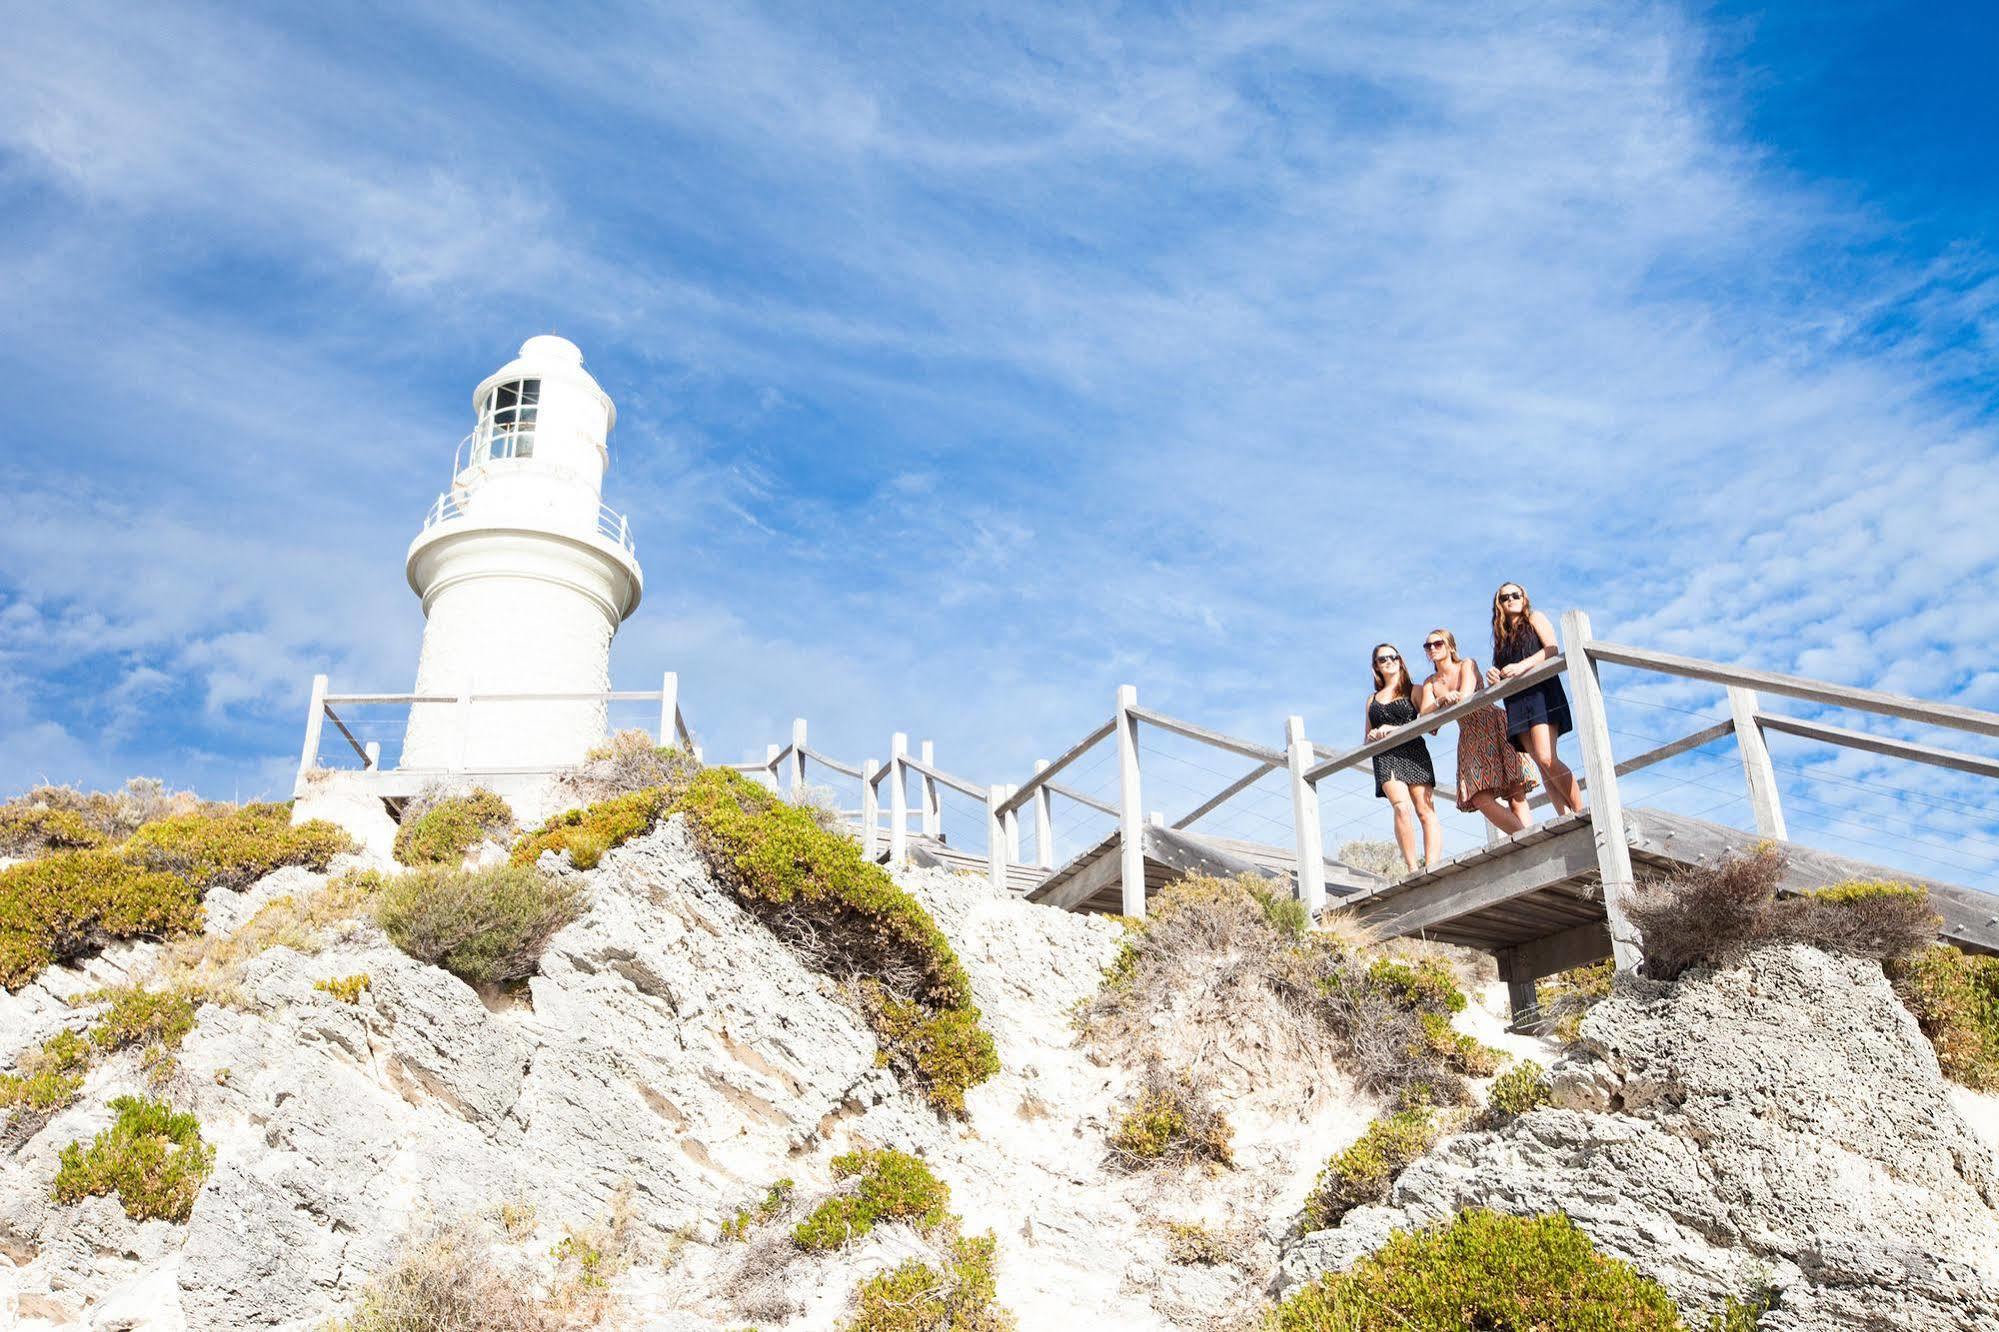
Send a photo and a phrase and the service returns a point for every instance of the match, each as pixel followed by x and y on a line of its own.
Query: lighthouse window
pixel 506 422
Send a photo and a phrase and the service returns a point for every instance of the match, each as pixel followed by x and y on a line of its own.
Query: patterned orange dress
pixel 1487 761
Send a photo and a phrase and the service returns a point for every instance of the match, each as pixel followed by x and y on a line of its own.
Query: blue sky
pixel 970 364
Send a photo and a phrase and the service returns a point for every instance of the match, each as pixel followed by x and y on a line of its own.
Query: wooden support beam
pixel 1530 867
pixel 1131 806
pixel 796 761
pixel 1520 997
pixel 996 860
pixel 1069 755
pixel 1229 792
pixel 1101 873
pixel 1044 822
pixel 669 710
pixel 1305 819
pixel 773 755
pixel 1613 848
pixel 1705 736
pixel 315 722
pixel 898 800
pixel 1010 823
pixel 1246 748
pixel 870 811
pixel 933 809
pixel 1068 793
pixel 1952 715
pixel 1881 744
pixel 1575 947
pixel 1756 768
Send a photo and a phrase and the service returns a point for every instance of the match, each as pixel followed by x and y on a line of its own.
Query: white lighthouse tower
pixel 525 576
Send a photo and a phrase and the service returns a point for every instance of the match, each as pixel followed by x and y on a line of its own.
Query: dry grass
pixel 53 817
pixel 589 1258
pixel 213 965
pixel 629 761
pixel 1173 1122
pixel 447 1281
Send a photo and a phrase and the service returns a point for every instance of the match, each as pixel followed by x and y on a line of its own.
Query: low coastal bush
pixel 233 848
pixel 1565 998
pixel 447 1281
pixel 586 834
pixel 152 1157
pixel 1513 1093
pixel 61 818
pixel 51 1077
pixel 1364 1172
pixel 347 989
pixel 1954 996
pixel 775 1202
pixel 485 926
pixel 888 1186
pixel 1172 1123
pixel 1712 914
pixel 847 917
pixel 1484 1270
pixel 629 761
pixel 441 831
pixel 70 904
pixel 954 1295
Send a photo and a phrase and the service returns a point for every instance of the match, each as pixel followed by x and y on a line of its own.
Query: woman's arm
pixel 1544 629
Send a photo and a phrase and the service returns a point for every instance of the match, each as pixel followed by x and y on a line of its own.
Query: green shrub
pixel 1172 1122
pixel 860 927
pixel 1363 1172
pixel 1955 999
pixel 1566 998
pixel 29 830
pixel 586 834
pixel 233 848
pixel 152 1157
pixel 890 1186
pixel 68 905
pixel 1484 1270
pixel 775 1200
pixel 49 1078
pixel 1521 1088
pixel 1459 1051
pixel 484 926
pixel 1426 987
pixel 957 1296
pixel 443 833
pixel 347 989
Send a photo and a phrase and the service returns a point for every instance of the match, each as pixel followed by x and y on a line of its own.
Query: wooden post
pixel 898 801
pixel 1520 996
pixel 315 721
pixel 373 755
pixel 870 810
pixel 1756 766
pixel 1044 823
pixel 669 711
pixel 1131 807
pixel 933 810
pixel 1010 821
pixel 996 837
pixel 769 777
pixel 1305 819
pixel 465 726
pixel 1156 819
pixel 1613 846
pixel 796 770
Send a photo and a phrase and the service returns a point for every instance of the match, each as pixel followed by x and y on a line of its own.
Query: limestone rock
pixel 1782 1121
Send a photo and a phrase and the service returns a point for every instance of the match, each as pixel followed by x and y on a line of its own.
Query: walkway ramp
pixel 1091 881
pixel 1535 899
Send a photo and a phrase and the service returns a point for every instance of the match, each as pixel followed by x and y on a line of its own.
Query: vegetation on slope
pixel 1173 1122
pixel 152 1157
pixel 442 830
pixel 485 926
pixel 1955 998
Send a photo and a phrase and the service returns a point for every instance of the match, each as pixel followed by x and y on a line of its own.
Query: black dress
pixel 1545 702
pixel 1409 762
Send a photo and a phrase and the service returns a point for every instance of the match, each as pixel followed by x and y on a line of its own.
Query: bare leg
pixel 1507 820
pixel 1405 819
pixel 1555 775
pixel 1520 811
pixel 1433 831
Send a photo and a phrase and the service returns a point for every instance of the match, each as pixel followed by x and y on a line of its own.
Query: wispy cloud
pixel 969 365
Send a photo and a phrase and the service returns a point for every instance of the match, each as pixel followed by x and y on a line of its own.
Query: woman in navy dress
pixel 1523 638
pixel 1403 776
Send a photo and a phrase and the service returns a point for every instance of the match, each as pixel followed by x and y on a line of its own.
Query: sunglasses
pixel 1386 657
pixel 1432 647
pixel 1513 596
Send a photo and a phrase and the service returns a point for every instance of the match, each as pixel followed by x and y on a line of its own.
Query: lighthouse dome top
pixel 547 356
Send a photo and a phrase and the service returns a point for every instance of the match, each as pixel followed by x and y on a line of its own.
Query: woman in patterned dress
pixel 1403 776
pixel 1491 777
pixel 1523 638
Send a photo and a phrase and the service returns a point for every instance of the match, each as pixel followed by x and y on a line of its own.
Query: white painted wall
pixel 522 590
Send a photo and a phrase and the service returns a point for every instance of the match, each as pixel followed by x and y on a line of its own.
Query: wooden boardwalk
pixel 1093 881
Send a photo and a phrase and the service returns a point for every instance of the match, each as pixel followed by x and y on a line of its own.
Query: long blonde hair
pixel 1506 627
pixel 1449 637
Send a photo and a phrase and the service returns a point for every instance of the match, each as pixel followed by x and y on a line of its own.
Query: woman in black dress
pixel 1523 638
pixel 1403 776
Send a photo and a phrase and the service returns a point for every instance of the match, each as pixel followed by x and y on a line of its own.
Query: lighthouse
pixel 524 574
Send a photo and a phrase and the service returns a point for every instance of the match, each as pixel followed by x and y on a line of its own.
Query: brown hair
pixel 1408 689
pixel 1506 627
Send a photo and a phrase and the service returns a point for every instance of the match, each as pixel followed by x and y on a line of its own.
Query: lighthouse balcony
pixel 455 506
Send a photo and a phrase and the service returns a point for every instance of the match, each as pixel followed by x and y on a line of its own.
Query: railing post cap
pixel 1127 695
pixel 1294 727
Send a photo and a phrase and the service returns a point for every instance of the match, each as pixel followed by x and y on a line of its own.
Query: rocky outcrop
pixel 1778 1123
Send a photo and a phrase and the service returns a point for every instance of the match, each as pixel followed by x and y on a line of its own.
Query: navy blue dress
pixel 1529 708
